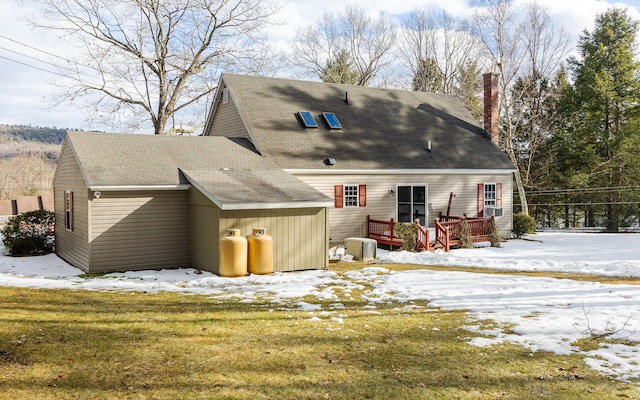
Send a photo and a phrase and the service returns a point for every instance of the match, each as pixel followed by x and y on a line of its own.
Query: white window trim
pixel 426 211
pixel 493 202
pixel 355 197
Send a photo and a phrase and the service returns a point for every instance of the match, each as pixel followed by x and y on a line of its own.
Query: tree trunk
pixel 589 217
pixel 520 187
pixel 613 212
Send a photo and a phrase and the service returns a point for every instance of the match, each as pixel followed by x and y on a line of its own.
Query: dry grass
pixel 350 266
pixel 59 344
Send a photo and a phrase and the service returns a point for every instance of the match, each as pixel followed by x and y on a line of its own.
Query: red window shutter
pixel 480 199
pixel 362 195
pixel 499 195
pixel 338 191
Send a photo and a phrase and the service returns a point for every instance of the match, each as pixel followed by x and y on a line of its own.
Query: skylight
pixel 307 119
pixel 332 120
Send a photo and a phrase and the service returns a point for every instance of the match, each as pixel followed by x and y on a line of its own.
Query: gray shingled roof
pixel 254 189
pixel 228 169
pixel 382 128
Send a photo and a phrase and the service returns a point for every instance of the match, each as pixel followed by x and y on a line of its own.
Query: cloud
pixel 25 89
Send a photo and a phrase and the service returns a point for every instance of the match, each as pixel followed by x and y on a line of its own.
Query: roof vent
pixel 225 96
pixel 329 161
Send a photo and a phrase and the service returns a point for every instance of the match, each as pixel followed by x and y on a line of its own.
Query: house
pixel 310 162
pixel 131 202
pixel 378 153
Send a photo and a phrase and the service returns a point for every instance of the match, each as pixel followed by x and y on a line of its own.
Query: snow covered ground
pixel 542 313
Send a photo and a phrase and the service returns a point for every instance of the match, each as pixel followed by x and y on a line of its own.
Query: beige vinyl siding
pixel 228 122
pixel 351 222
pixel 299 235
pixel 204 232
pixel 133 230
pixel 299 239
pixel 71 246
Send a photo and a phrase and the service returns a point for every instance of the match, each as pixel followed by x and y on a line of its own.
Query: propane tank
pixel 260 252
pixel 233 254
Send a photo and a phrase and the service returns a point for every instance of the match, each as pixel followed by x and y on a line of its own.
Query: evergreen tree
pixel 340 70
pixel 604 110
pixel 468 83
pixel 428 78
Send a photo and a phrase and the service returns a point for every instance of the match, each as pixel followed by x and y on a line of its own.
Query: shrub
pixel 29 233
pixel 408 232
pixel 492 228
pixel 523 224
pixel 464 232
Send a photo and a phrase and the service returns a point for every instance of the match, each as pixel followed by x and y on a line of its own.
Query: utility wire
pixel 36 59
pixel 35 48
pixel 46 70
pixel 583 190
pixel 33 66
pixel 586 204
pixel 57 66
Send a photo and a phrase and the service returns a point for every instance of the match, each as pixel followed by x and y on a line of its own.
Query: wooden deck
pixel 447 228
pixel 446 233
pixel 382 232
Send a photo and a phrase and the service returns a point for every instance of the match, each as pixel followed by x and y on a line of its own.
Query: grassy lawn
pixel 60 344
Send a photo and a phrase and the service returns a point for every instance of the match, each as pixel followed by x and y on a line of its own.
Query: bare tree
pixel 546 46
pixel 532 47
pixel 25 175
pixel 153 60
pixel 367 41
pixel 534 93
pixel 436 36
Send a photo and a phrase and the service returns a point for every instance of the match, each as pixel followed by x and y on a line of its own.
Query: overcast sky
pixel 25 86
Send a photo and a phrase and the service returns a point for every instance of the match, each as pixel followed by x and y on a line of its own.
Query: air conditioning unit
pixel 493 212
pixel 361 248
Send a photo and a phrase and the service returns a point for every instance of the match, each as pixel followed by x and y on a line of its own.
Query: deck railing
pixel 383 232
pixel 478 226
pixel 380 227
pixel 442 235
pixel 423 237
pixel 446 232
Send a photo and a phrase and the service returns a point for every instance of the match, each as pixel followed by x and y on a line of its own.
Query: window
pixel 68 210
pixel 489 199
pixel 489 194
pixel 332 120
pixel 350 196
pixel 307 119
pixel 412 203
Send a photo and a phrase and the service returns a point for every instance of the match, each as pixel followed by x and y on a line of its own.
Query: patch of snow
pixel 541 313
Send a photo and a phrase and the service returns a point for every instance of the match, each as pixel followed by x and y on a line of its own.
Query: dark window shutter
pixel 68 210
pixel 499 195
pixel 362 195
pixel 480 199
pixel 72 211
pixel 338 196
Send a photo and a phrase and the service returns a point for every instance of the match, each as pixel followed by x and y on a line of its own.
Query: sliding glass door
pixel 412 203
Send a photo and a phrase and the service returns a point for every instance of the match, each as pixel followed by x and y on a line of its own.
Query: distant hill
pixel 17 140
pixel 33 133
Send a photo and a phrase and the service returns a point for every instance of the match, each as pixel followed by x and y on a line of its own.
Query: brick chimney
pixel 490 81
